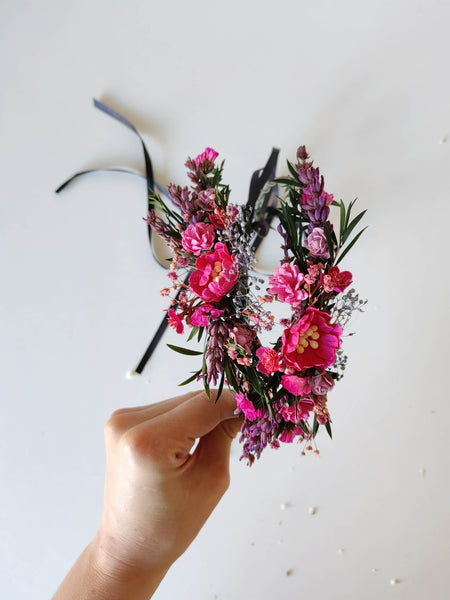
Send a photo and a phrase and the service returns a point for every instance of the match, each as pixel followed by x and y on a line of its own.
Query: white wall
pixel 365 86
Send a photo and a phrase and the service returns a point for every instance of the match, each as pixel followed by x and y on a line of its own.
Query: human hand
pixel 157 494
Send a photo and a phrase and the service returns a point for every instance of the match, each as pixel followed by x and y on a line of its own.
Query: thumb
pixel 213 449
pixel 232 426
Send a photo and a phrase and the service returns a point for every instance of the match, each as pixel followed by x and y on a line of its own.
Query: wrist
pixel 119 579
pixel 96 574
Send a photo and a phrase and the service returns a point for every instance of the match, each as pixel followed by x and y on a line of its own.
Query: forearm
pixel 91 578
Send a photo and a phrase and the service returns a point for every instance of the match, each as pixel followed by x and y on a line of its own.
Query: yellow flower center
pixel 309 338
pixel 217 271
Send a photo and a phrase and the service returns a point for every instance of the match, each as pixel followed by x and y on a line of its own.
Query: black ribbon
pixel 260 205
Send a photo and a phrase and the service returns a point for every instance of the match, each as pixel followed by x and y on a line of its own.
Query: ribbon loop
pixel 262 199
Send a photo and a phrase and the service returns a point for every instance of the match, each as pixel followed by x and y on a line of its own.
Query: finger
pixel 169 437
pixel 212 455
pixel 214 447
pixel 200 414
pixel 125 418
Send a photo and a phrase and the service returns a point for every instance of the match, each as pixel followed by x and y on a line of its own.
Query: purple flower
pixel 256 435
pixel 321 384
pixel 316 205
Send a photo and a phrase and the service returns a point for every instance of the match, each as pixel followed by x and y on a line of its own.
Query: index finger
pixel 199 415
pixel 172 434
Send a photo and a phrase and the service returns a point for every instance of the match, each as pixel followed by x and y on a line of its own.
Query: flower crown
pixel 280 388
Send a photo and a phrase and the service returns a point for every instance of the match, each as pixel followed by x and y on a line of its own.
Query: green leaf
pixel 342 221
pixel 328 428
pixel 277 395
pixel 204 372
pixel 352 243
pixel 194 332
pixel 305 427
pixel 190 379
pixel 352 226
pixel 292 170
pixel 315 428
pixel 285 181
pixel 220 389
pixel 230 376
pixel 349 210
pixel 254 381
pixel 185 351
pixel 330 243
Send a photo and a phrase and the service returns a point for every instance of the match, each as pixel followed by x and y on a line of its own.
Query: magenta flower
pixel 250 412
pixel 298 386
pixel 198 237
pixel 286 283
pixel 312 341
pixel 269 361
pixel 215 274
pixel 175 321
pixel 201 315
pixel 298 410
pixel 209 154
pixel 288 435
pixel 316 242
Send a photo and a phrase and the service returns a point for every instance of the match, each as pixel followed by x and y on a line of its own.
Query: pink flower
pixel 232 353
pixel 269 361
pixel 298 410
pixel 175 321
pixel 198 237
pixel 335 280
pixel 215 274
pixel 316 242
pixel 209 154
pixel 243 360
pixel 285 283
pixel 288 435
pixel 200 316
pixel 250 412
pixel 312 341
pixel 321 384
pixel 298 386
pixel 313 272
pixel 321 412
pixel 243 337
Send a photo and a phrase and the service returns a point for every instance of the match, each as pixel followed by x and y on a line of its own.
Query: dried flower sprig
pixel 281 390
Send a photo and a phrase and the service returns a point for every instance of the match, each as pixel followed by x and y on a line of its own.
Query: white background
pixel 365 86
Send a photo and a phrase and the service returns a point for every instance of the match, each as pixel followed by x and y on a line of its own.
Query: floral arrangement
pixel 281 388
